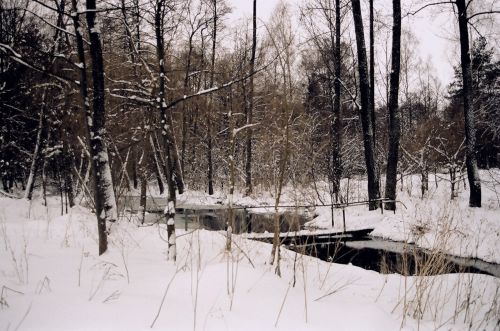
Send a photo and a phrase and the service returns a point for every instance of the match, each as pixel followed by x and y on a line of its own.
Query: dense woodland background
pixel 98 102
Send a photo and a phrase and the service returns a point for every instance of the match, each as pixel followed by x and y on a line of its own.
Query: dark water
pixel 216 218
pixel 361 250
pixel 394 257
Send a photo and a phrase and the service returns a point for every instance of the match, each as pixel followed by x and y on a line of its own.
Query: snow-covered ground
pixel 434 221
pixel 51 278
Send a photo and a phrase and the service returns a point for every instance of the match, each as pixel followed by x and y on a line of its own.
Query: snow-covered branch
pixel 13 55
pixel 237 130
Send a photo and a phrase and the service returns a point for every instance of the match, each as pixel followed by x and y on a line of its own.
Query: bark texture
pixel 172 163
pixel 104 196
pixel 37 152
pixel 470 129
pixel 372 74
pixel 249 114
pixel 394 116
pixel 366 123
pixel 210 175
pixel 165 115
pixel 336 133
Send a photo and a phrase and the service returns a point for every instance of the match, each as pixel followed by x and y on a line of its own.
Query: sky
pixel 433 28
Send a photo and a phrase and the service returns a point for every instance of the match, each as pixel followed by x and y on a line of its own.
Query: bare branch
pixel 483 13
pixel 427 5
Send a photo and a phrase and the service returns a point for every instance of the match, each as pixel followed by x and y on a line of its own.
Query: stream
pixel 360 249
pixel 386 256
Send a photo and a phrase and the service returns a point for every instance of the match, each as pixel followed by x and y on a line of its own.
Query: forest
pixel 106 101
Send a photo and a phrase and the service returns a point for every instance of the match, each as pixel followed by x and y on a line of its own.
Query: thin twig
pixel 163 299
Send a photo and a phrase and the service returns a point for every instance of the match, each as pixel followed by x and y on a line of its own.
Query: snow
pixel 53 279
pixel 10 49
pixel 435 221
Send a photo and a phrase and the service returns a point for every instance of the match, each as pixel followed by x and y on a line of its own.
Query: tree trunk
pixel 170 213
pixel 165 115
pixel 185 108
pixel 394 116
pixel 44 181
pixel 424 185
pixel 372 75
pixel 173 169
pixel 211 108
pixel 104 196
pixel 143 199
pixel 67 159
pixel 134 167
pixel 230 221
pixel 249 114
pixel 35 162
pixel 470 129
pixel 453 176
pixel 143 179
pixel 158 164
pixel 337 110
pixel 364 87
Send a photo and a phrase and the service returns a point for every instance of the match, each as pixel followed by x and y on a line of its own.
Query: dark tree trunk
pixel 453 177
pixel 67 159
pixel 211 108
pixel 134 167
pixel 104 196
pixel 172 168
pixel 364 87
pixel 337 110
pixel 210 175
pixel 372 75
pixel 394 116
pixel 186 109
pixel 249 114
pixel 170 213
pixel 143 199
pixel 44 181
pixel 424 185
pixel 165 115
pixel 158 165
pixel 143 177
pixel 159 179
pixel 470 129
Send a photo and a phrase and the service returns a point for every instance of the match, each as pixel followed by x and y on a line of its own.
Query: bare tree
pixel 394 116
pixel 105 201
pixel 372 74
pixel 470 128
pixel 172 162
pixel 249 109
pixel 337 109
pixel 364 88
pixel 281 38
pixel 211 104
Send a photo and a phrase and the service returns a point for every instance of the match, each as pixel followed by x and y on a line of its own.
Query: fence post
pixel 343 217
pixel 333 222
